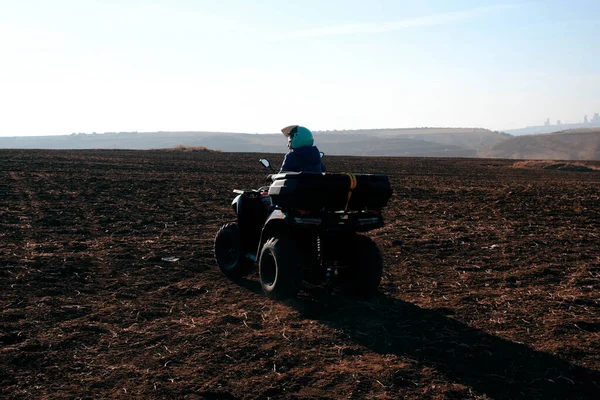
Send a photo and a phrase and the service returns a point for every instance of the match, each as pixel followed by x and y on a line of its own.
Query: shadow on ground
pixel 489 364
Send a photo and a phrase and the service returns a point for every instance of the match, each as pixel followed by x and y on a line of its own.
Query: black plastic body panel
pixel 315 192
pixel 252 214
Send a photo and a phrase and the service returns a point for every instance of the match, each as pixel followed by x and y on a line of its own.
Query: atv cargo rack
pixel 330 192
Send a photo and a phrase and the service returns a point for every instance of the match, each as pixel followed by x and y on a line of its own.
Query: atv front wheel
pixel 228 252
pixel 364 268
pixel 279 270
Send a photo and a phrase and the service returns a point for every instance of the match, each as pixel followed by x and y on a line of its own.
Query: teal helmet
pixel 298 136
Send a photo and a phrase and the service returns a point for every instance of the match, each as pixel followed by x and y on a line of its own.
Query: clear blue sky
pixel 257 65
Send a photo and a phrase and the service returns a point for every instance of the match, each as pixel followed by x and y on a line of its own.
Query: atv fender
pixel 235 204
pixel 275 225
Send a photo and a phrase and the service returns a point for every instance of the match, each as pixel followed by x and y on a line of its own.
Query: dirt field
pixel 491 285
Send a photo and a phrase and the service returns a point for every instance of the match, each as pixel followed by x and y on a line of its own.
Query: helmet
pixel 298 136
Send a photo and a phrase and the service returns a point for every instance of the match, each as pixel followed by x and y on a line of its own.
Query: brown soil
pixel 491 286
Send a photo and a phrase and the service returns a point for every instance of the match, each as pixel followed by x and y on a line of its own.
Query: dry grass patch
pixel 578 166
pixel 191 149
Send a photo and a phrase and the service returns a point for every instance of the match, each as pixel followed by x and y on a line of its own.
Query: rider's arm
pixel 289 163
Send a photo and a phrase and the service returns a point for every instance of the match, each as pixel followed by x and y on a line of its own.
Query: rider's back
pixel 303 159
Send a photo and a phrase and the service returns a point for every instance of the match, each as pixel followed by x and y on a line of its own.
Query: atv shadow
pixel 489 364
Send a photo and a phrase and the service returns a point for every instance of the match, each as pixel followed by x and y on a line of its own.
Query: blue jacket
pixel 303 159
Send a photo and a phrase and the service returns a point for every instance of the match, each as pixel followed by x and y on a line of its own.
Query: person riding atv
pixel 303 155
pixel 306 226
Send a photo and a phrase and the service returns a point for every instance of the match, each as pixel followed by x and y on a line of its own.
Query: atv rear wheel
pixel 279 270
pixel 228 252
pixel 364 268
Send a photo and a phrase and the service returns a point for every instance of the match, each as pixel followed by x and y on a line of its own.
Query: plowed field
pixel 491 286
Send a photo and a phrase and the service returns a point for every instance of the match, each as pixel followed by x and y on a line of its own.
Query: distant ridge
pixel 415 142
pixel 533 130
pixel 574 144
pixel 421 142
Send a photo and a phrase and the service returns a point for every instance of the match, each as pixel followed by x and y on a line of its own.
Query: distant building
pixel 596 117
pixel 585 120
pixel 558 123
pixel 547 122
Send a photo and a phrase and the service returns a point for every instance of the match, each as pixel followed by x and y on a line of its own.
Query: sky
pixel 79 66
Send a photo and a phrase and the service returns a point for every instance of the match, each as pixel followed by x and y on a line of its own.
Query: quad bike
pixel 304 227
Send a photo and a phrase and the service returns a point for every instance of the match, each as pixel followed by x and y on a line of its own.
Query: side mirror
pixel 265 162
pixel 321 154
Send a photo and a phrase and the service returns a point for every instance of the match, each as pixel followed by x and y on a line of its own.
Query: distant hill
pixel 532 130
pixel 421 142
pixel 579 144
pixel 463 138
pixel 575 144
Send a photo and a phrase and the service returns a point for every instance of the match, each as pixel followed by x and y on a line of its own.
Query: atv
pixel 306 227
